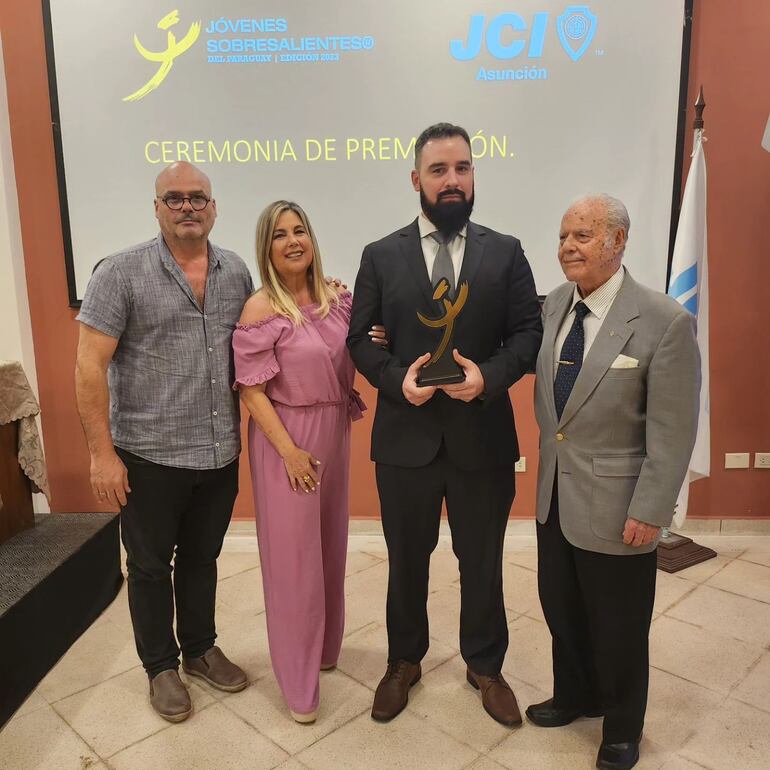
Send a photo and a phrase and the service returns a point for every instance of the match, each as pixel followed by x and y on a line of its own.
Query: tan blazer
pixel 623 443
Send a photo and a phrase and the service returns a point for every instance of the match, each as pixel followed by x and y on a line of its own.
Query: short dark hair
pixel 438 131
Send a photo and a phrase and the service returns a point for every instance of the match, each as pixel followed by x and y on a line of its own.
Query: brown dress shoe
pixel 497 697
pixel 214 667
pixel 392 693
pixel 169 696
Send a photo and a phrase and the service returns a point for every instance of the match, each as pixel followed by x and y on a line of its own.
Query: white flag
pixel 689 286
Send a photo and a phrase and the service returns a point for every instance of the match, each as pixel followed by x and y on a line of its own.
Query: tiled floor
pixel 709 687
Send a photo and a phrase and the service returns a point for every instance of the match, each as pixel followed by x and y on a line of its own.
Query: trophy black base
pixel 444 372
pixel 677 552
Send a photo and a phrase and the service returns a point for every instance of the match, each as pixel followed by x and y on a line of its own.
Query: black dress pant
pixel 478 504
pixel 183 514
pixel 598 608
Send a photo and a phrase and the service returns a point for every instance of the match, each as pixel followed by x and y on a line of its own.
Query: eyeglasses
pixel 176 202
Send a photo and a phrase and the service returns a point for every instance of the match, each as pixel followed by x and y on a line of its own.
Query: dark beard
pixel 448 216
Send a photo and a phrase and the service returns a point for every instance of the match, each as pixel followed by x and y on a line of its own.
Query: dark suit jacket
pixel 499 329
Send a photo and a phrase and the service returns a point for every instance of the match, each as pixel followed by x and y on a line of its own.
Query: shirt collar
pixel 215 256
pixel 427 227
pixel 599 300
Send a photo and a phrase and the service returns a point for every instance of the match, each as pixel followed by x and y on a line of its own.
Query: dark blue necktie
pixel 570 360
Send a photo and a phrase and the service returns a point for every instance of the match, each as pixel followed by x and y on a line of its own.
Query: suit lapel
pixel 474 246
pixel 412 251
pixel 553 322
pixel 612 337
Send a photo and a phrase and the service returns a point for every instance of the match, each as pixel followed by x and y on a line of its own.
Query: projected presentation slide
pixel 320 102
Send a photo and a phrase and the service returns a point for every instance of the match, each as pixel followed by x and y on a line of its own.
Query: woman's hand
pixel 301 468
pixel 379 336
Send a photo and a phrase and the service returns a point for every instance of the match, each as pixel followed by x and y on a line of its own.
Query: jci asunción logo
pixel 165 59
pixel 508 35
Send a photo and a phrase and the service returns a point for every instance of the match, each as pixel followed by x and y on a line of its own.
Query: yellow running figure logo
pixel 166 58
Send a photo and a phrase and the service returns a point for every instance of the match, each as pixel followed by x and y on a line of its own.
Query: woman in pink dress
pixel 296 379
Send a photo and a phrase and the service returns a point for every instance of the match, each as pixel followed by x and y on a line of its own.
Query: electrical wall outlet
pixel 521 466
pixel 762 460
pixel 737 460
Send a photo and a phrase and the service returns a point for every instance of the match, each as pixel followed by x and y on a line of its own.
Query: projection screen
pixel 320 102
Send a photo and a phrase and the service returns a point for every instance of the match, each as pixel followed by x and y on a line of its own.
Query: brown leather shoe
pixel 497 697
pixel 392 693
pixel 169 696
pixel 214 667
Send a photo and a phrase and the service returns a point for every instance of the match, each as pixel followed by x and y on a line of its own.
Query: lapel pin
pixel 612 333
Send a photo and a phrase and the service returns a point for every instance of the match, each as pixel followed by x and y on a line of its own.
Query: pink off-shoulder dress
pixel 302 536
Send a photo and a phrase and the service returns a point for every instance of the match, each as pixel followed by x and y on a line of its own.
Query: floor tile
pixel 99 654
pixel 680 763
pixel 365 653
pixel 243 638
pixel 700 573
pixel 758 552
pixel 755 688
pixel 118 613
pixel 365 595
pixel 520 589
pixel 669 590
pixel 34 702
pixel 699 657
pixel 214 738
pixel 744 578
pixel 406 743
pixel 726 614
pixel 242 592
pixel 524 557
pixel 230 563
pixel 529 653
pixel 676 709
pixel 445 700
pixel 42 740
pixel 484 763
pixel 358 560
pixel 262 706
pixel 568 748
pixel 117 713
pixel 729 547
pixel 444 569
pixel 734 736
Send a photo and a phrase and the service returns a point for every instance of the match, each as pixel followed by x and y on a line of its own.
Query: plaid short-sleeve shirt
pixel 170 379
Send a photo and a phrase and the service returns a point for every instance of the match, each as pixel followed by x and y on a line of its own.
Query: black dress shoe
pixel 618 756
pixel 545 714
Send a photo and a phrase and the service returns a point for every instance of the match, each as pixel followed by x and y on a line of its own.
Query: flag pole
pixel 676 552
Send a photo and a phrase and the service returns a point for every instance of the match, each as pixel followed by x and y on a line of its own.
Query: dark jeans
pixel 478 503
pixel 598 608
pixel 180 513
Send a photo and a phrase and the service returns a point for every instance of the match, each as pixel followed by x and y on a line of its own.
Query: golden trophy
pixel 442 369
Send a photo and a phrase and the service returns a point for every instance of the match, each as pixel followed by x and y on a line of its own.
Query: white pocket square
pixel 625 362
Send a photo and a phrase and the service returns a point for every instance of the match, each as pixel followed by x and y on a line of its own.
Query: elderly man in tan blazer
pixel 618 379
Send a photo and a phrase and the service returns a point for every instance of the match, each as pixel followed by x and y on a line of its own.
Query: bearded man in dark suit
pixel 454 442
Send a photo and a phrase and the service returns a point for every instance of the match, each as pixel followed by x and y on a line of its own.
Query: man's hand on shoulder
pixel 412 393
pixel 473 385
pixel 637 533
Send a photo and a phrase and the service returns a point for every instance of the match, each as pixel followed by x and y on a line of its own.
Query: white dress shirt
pixel 598 303
pixel 430 246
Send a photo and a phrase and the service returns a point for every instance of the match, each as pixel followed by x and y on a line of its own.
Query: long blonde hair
pixel 280 297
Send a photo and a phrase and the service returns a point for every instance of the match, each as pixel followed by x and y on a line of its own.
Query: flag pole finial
pixel 700 105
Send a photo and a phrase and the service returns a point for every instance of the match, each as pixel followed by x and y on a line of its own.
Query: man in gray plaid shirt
pixel 153 379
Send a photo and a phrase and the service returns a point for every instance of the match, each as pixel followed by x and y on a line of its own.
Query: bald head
pixel 181 173
pixel 187 226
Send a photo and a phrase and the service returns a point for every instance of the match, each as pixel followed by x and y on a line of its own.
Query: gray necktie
pixel 442 265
